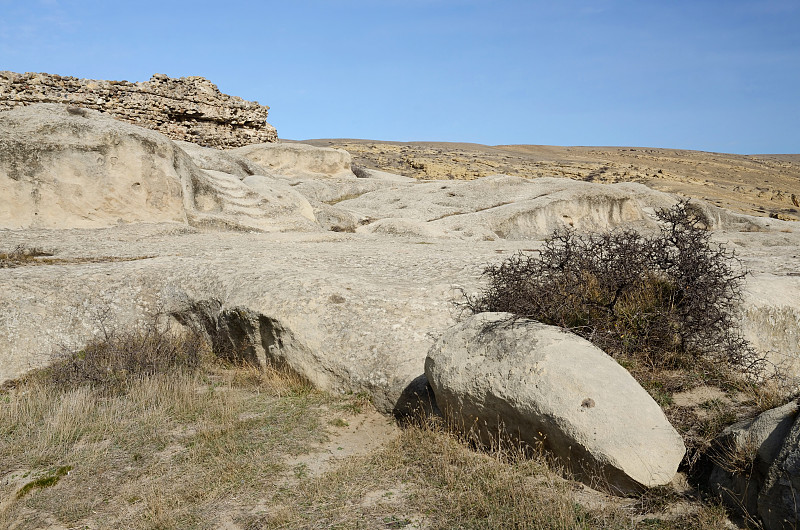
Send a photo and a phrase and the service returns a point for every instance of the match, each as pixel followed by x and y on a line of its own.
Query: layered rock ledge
pixel 186 108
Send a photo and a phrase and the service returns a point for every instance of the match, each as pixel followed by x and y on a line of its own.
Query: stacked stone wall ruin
pixel 186 108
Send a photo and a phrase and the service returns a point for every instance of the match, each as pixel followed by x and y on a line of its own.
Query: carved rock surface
pixel 63 167
pixel 300 160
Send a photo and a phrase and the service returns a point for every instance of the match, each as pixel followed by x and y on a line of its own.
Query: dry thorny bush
pixel 665 306
pixel 666 301
pixel 109 362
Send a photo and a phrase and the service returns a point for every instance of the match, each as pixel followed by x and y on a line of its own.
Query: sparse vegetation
pixel 664 306
pixel 113 361
pixel 205 444
pixel 21 255
pixel 663 302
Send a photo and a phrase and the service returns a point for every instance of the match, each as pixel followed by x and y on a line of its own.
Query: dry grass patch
pixel 210 448
pixel 24 255
pixel 429 477
pixel 173 451
pixel 143 429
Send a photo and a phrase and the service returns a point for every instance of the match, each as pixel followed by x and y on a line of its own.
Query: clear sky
pixel 719 75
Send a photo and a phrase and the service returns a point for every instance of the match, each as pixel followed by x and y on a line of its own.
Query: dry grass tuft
pixel 21 255
pixel 24 255
pixel 113 361
pixel 175 450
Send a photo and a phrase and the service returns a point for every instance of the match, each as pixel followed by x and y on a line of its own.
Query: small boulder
pixel 779 498
pixel 744 453
pixel 542 384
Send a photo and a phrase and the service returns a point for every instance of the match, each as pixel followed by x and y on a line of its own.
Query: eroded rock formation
pixel 186 108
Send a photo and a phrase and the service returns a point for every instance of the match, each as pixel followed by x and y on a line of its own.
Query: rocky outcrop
pixel 506 207
pixel 543 385
pixel 779 499
pixel 744 453
pixel 63 167
pixel 186 108
pixel 362 308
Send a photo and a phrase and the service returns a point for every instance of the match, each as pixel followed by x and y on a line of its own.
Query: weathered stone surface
pixel 338 190
pixel 335 219
pixel 360 309
pixel 61 168
pixel 759 185
pixel 299 160
pixel 186 108
pixel 385 175
pixel 224 161
pixel 544 385
pixel 500 206
pixel 771 319
pixel 779 499
pixel 408 228
pixel 744 453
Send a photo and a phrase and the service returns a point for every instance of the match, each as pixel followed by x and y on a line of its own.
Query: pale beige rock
pixel 542 384
pixel 360 309
pixel 408 228
pixel 223 161
pixel 283 199
pixel 185 108
pixel 385 175
pixel 505 207
pixel 62 168
pixel 771 321
pixel 299 160
pixel 336 219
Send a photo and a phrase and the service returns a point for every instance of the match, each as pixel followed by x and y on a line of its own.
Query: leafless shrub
pixel 667 301
pixel 112 361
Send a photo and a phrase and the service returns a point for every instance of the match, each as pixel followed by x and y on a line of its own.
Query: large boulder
pixel 544 385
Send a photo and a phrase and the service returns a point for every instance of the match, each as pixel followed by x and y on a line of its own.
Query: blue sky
pixel 712 75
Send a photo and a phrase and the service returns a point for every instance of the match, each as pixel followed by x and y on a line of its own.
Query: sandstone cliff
pixel 187 108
